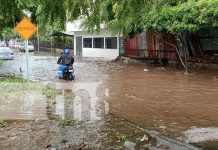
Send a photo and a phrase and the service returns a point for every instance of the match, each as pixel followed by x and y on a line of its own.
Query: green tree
pixel 128 17
pixel 9 14
pixel 54 11
pixel 8 34
pixel 188 16
pixel 181 18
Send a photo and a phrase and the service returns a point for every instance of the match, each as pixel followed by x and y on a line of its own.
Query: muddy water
pixel 165 100
pixel 90 75
pixel 95 131
pixel 41 68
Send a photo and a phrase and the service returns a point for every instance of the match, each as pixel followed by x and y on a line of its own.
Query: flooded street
pixel 110 99
pixel 167 101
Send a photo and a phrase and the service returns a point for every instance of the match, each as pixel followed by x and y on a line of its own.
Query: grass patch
pixel 121 137
pixel 11 78
pixel 2 123
pixel 14 88
pixel 69 97
pixel 67 122
pixel 51 93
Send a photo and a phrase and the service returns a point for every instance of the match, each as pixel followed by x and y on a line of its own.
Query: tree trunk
pixel 184 47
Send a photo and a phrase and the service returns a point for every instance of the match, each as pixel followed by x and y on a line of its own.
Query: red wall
pixel 157 46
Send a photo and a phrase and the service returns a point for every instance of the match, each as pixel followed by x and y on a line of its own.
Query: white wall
pixel 98 52
pixel 105 53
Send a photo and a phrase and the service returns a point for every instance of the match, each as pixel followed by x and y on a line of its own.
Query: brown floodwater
pixel 160 99
pixel 165 100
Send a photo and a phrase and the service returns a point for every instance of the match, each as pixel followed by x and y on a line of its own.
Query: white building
pixel 101 44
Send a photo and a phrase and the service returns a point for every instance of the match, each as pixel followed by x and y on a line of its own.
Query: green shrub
pixel 67 122
pixel 2 123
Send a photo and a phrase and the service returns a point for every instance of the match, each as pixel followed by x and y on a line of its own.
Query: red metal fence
pixel 151 45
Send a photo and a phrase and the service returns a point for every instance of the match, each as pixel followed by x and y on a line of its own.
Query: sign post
pixel 26 29
pixel 38 38
pixel 27 59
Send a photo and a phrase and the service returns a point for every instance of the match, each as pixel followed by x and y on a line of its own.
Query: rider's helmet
pixel 66 51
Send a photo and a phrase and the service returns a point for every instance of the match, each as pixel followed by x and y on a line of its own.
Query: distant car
pixel 17 46
pixel 30 47
pixel 6 53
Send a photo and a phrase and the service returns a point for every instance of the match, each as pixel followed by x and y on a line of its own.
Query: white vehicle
pixel 17 46
pixel 6 53
pixel 30 47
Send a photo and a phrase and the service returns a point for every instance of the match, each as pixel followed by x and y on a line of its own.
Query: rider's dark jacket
pixel 66 59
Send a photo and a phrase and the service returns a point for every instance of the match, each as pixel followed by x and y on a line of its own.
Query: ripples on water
pixel 170 102
pixel 167 101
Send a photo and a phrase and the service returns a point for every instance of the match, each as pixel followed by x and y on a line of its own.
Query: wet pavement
pixel 111 99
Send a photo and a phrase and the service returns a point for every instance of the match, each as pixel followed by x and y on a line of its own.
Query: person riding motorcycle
pixel 65 60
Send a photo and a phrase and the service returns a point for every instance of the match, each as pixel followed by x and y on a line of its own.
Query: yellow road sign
pixel 25 28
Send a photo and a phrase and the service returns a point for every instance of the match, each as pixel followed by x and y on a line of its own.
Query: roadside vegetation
pixel 14 88
pixel 50 93
pixel 121 137
pixel 11 78
pixel 68 122
pixel 2 123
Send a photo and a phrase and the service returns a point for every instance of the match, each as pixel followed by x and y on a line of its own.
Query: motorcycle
pixel 68 73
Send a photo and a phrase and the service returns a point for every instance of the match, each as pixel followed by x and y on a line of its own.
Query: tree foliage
pixel 128 17
pixel 188 16
pixel 9 14
pixel 56 11
pixel 133 16
pixel 8 33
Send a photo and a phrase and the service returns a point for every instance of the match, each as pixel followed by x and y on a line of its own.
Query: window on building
pixel 98 42
pixel 87 42
pixel 111 42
